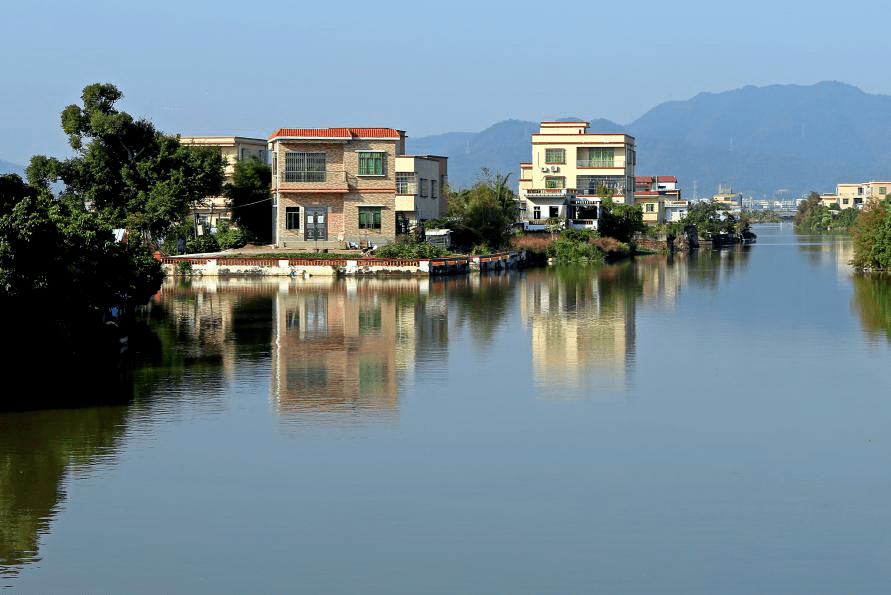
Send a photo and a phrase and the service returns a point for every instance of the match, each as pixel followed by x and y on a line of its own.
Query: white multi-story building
pixel 569 165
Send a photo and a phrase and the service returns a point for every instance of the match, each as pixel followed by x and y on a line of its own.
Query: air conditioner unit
pixel 555 168
pixel 544 170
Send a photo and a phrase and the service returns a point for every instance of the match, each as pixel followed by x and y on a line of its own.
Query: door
pixel 316 223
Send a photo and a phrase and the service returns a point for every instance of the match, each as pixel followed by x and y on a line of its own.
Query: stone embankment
pixel 304 267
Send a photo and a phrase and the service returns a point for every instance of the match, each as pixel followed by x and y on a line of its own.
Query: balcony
pixel 596 163
pixel 316 182
pixel 560 193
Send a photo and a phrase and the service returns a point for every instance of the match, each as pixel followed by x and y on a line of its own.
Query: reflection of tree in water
pixel 482 301
pixel 194 334
pixel 872 301
pixel 37 449
pixel 706 268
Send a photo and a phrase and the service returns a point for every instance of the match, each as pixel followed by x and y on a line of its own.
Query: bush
pixel 409 247
pixel 229 236
pixel 533 244
pixel 481 250
pixel 204 243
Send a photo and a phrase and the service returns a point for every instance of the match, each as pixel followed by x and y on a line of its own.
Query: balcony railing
pixel 549 192
pixel 327 180
pixel 596 163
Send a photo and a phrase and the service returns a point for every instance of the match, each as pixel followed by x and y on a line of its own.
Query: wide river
pixel 718 423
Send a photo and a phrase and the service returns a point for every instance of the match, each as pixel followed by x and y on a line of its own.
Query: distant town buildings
pixel 569 164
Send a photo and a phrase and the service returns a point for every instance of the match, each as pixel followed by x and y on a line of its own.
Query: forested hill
pixel 759 139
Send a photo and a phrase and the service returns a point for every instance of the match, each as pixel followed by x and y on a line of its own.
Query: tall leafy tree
pixel 250 198
pixel 131 174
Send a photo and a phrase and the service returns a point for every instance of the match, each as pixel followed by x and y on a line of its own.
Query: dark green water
pixel 712 424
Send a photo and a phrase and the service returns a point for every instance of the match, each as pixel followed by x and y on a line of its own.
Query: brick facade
pixel 342 193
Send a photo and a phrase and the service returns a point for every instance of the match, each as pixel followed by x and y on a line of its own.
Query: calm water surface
pixel 711 424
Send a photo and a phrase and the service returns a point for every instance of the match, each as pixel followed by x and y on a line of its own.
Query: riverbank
pixel 333 265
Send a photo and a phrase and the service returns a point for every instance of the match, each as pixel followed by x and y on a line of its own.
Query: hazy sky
pixel 251 67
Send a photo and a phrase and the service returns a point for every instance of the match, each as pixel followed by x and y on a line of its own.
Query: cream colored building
pixel 568 165
pixel 858 195
pixel 659 198
pixel 335 186
pixel 421 189
pixel 233 149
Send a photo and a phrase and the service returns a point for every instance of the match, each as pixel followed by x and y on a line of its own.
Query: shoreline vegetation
pixel 869 227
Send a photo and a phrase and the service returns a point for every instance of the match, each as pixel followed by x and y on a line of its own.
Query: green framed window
pixel 555 155
pixel 555 182
pixel 370 218
pixel 371 163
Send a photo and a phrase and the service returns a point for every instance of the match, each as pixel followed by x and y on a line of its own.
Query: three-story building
pixel 571 171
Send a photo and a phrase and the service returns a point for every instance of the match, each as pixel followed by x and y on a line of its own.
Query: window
pixel 555 155
pixel 406 183
pixel 554 211
pixel 844 201
pixel 536 212
pixel 883 190
pixel 589 184
pixel 371 163
pixel 275 165
pixel 598 158
pixel 860 190
pixel 432 188
pixel 424 187
pixel 292 217
pixel 555 182
pixel 651 208
pixel 370 218
pixel 304 167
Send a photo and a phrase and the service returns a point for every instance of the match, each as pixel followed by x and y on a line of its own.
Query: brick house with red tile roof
pixel 334 186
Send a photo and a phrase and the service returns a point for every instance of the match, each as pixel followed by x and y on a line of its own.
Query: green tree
pixel 483 214
pixel 711 219
pixel 250 198
pixel 620 221
pixel 61 270
pixel 872 238
pixel 132 175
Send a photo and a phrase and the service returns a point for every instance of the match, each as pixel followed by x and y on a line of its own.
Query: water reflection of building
pixel 347 346
pixel 582 328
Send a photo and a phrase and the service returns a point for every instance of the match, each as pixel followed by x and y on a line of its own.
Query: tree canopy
pixel 250 198
pixel 482 215
pixel 131 174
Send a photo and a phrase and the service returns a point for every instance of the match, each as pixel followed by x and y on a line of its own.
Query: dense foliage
pixel 621 221
pixel 65 281
pixel 408 246
pixel 250 198
pixel 872 238
pixel 712 219
pixel 62 276
pixel 815 217
pixel 483 214
pixel 130 174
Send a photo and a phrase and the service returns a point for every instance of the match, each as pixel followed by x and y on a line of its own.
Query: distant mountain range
pixel 758 139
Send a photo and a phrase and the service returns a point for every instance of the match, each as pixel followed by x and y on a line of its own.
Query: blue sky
pixel 249 68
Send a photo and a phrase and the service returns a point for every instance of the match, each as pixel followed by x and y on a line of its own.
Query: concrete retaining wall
pixel 311 267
